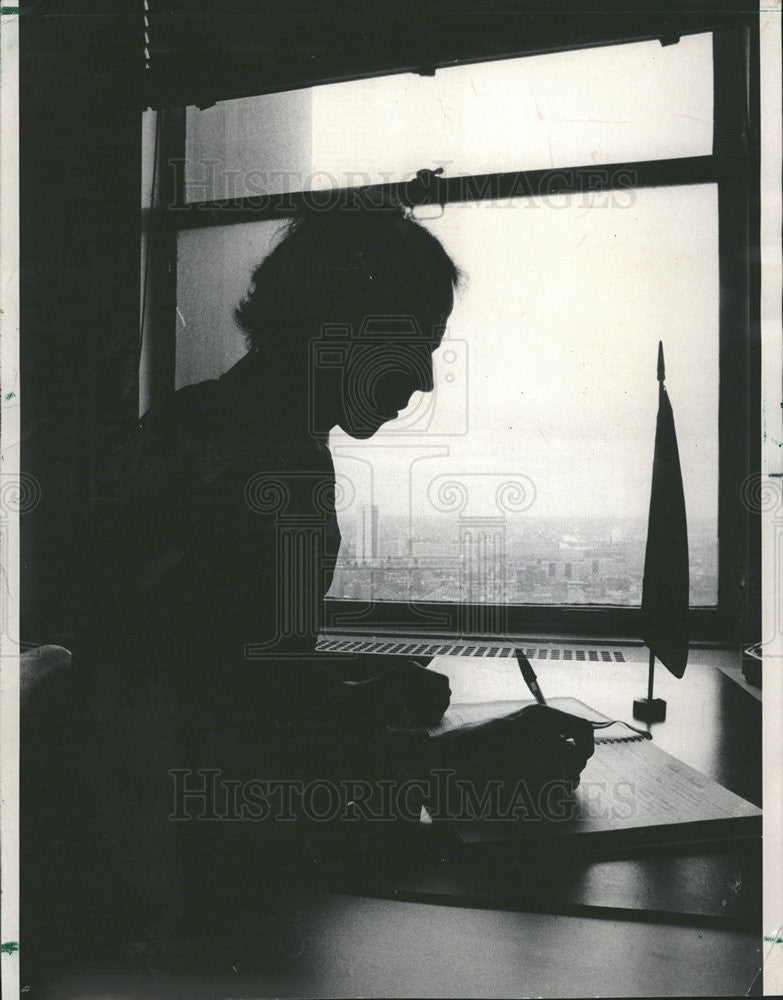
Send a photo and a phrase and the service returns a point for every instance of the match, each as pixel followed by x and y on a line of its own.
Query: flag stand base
pixel 649 709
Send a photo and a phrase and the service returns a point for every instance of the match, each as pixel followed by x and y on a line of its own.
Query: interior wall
pixel 79 294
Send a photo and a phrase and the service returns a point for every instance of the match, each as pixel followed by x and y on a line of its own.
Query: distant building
pixel 367 534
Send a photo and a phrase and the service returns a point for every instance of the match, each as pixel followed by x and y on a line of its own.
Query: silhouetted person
pixel 221 523
pixel 217 532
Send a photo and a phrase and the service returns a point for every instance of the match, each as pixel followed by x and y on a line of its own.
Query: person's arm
pixel 315 691
pixel 541 748
pixel 406 693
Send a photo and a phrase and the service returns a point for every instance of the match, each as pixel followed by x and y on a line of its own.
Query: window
pixel 590 226
pixel 640 101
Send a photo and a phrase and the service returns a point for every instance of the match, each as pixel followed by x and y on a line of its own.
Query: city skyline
pixel 514 559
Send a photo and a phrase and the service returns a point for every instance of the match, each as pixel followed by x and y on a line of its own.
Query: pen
pixel 529 676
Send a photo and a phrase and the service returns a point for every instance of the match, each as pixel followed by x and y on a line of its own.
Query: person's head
pixel 355 299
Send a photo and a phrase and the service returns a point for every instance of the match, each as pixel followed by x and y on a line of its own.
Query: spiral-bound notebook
pixel 631 791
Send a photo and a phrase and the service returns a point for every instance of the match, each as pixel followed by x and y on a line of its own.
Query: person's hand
pixel 536 741
pixel 406 695
pixel 537 745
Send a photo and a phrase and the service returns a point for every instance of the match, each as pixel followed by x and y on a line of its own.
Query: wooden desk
pixel 712 724
pixel 679 924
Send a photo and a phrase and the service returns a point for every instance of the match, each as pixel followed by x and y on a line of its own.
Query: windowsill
pixel 701 646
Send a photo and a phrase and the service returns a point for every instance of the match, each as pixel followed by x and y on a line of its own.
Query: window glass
pixel 637 101
pixel 213 273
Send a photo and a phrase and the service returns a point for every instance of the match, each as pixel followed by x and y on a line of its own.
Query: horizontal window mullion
pixel 509 620
pixel 433 190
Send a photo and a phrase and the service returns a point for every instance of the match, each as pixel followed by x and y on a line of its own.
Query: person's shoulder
pixel 227 422
pixel 218 402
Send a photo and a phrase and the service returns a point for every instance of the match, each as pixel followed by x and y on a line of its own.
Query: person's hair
pixel 342 265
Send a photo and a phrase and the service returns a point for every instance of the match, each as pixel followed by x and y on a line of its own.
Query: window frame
pixel 733 166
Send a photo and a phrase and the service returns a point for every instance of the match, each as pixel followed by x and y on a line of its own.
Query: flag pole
pixel 650 709
pixel 650 676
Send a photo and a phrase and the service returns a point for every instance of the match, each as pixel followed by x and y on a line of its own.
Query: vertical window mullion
pixel 159 324
pixel 739 425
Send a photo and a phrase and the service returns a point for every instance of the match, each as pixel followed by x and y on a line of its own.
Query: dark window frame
pixel 734 167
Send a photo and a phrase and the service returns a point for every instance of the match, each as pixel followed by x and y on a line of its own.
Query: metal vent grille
pixel 415 647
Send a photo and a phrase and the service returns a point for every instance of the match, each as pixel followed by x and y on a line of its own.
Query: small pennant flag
pixel 665 593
